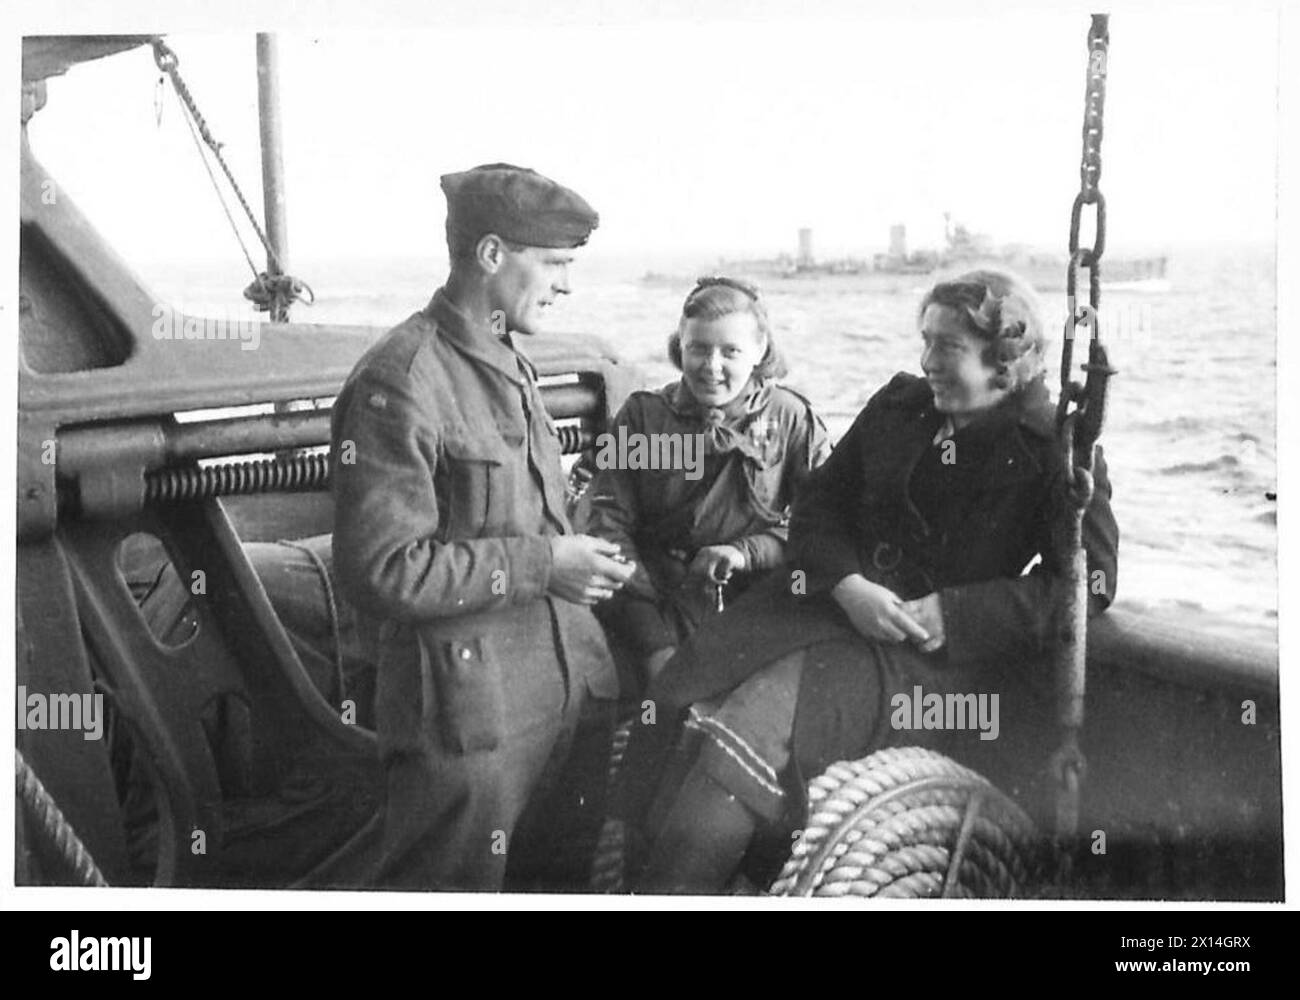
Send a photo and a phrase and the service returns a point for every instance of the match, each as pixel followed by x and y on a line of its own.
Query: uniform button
pixel 466 653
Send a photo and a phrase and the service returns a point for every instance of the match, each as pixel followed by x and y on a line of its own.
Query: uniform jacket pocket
pixel 473 487
pixel 464 700
pixel 768 476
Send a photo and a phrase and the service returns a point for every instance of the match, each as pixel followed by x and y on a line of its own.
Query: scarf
pixel 738 426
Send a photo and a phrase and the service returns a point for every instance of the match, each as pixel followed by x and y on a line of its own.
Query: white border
pixel 65 17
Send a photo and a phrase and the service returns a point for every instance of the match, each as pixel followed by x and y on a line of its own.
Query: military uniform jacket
pixel 447 485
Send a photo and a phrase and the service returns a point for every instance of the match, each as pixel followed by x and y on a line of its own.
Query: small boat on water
pixel 225 762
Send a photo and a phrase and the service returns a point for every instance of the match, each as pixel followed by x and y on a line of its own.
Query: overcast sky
pixel 715 133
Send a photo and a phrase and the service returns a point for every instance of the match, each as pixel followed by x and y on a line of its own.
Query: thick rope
pixel 57 830
pixel 909 822
pixel 995 869
pixel 904 822
pixel 607 871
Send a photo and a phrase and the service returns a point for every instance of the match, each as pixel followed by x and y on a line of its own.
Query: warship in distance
pixel 963 249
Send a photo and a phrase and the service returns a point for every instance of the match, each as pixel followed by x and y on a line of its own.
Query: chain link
pixel 1088 401
pixel 1094 108
pixel 1080 410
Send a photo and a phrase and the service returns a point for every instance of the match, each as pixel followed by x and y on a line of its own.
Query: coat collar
pixel 1029 407
pixel 475 339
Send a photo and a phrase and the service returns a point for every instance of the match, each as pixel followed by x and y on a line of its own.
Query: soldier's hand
pixel 876 611
pixel 585 570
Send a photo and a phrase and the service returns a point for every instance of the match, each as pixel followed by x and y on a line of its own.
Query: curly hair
pixel 1002 310
pixel 716 297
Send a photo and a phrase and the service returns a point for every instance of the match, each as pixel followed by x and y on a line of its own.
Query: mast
pixel 273 198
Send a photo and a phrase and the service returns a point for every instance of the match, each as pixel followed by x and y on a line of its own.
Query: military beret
pixel 517 204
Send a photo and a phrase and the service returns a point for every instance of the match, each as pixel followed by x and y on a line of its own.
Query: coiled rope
pixel 54 825
pixel 607 871
pixel 909 822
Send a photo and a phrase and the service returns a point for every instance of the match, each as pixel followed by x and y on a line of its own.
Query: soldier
pixel 452 541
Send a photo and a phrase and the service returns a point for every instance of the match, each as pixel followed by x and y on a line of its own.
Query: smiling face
pixel 526 282
pixel 963 385
pixel 719 355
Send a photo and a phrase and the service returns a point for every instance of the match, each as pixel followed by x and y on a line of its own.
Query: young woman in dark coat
pixel 921 554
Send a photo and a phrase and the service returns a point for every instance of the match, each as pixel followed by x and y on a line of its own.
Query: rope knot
pixel 274 293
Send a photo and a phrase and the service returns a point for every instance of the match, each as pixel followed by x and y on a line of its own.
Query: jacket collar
pixel 476 340
pixel 1029 407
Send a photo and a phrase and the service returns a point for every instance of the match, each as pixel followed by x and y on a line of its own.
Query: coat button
pixel 464 652
pixel 886 557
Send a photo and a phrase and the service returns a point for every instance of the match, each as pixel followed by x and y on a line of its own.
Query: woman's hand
pixel 928 613
pixel 876 611
pixel 716 563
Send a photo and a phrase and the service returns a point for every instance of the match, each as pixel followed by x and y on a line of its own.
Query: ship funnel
pixel 898 241
pixel 805 248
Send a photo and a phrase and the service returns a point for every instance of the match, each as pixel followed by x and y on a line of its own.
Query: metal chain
pixel 1098 51
pixel 1080 411
pixel 169 63
pixel 221 199
pixel 269 290
pixel 1088 400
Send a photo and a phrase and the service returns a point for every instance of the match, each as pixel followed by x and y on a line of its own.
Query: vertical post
pixel 273 200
